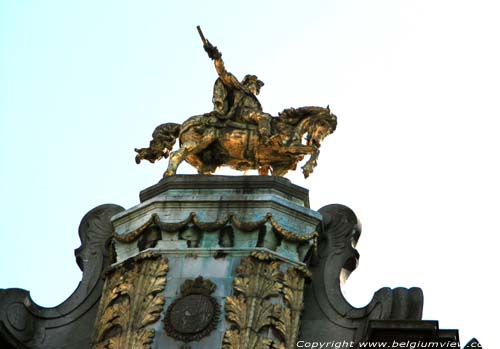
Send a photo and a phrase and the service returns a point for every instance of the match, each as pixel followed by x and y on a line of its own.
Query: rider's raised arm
pixel 226 77
pixel 212 51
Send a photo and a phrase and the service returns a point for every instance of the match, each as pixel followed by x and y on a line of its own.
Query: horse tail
pixel 164 138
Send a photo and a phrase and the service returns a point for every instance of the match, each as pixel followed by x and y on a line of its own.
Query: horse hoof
pixel 168 174
pixel 306 170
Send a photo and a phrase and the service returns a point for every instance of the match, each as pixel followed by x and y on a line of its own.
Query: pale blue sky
pixel 415 86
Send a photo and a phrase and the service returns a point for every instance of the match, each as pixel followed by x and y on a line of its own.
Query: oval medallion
pixel 195 314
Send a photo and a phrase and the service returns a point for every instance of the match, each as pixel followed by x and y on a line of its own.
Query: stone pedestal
pixel 218 262
pixel 209 262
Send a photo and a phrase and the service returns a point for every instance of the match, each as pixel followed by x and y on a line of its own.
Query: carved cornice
pixel 217 182
pixel 132 300
pixel 214 226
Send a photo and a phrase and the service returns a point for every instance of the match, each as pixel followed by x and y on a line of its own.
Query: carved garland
pixel 131 301
pixel 211 227
pixel 255 307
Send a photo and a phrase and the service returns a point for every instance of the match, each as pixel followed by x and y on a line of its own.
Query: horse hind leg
pixel 178 156
pixel 264 170
pixel 280 171
pixel 188 148
pixel 203 169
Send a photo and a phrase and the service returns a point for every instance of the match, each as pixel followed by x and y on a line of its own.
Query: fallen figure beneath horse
pixel 207 142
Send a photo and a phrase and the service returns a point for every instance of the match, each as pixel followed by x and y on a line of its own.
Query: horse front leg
pixel 309 166
pixel 177 157
pixel 300 149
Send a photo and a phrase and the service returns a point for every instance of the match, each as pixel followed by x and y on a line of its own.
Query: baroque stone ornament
pixel 195 314
pixel 130 302
pixel 266 306
pixel 24 324
pixel 239 134
pixel 328 315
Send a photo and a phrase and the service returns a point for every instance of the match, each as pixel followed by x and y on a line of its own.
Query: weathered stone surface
pixel 219 213
pixel 255 184
pixel 24 324
pixel 209 226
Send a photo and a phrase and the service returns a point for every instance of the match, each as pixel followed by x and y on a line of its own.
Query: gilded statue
pixel 239 134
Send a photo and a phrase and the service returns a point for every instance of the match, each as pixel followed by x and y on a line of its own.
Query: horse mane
pixel 294 116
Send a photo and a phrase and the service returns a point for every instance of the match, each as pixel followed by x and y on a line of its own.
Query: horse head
pixel 319 124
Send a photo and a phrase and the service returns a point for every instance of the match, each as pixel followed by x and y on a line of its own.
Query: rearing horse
pixel 207 142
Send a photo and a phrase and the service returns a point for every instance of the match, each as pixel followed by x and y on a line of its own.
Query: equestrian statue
pixel 238 134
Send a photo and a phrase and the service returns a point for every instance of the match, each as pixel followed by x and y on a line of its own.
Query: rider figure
pixel 236 100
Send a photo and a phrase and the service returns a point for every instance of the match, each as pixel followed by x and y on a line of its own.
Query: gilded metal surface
pixel 264 298
pixel 214 226
pixel 131 301
pixel 195 314
pixel 239 134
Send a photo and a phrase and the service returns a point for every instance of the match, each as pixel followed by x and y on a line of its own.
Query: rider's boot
pixel 265 129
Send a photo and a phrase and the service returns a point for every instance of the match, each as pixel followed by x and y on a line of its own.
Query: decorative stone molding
pixel 215 226
pixel 223 214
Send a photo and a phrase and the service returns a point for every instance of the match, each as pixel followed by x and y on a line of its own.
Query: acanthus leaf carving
pixel 293 295
pixel 131 301
pixel 265 308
